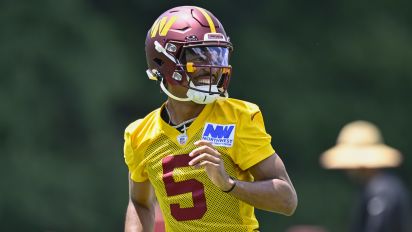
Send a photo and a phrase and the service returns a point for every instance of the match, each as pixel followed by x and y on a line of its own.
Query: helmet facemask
pixel 207 72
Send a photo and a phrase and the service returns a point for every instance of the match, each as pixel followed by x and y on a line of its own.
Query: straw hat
pixel 360 145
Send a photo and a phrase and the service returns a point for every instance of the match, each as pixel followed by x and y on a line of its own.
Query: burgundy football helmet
pixel 188 46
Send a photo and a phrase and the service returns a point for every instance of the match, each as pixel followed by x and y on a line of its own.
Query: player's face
pixel 208 63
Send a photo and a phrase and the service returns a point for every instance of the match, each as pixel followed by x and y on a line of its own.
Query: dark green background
pixel 72 76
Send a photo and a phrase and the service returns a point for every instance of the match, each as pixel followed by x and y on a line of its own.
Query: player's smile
pixel 204 79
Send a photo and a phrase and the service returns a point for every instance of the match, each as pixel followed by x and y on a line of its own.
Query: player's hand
pixel 206 156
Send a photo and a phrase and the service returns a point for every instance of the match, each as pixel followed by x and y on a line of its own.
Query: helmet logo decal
pixel 209 20
pixel 162 26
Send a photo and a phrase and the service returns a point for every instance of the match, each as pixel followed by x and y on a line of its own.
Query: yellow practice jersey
pixel 189 201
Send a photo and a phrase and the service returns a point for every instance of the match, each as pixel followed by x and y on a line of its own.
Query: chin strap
pixel 195 96
pixel 162 86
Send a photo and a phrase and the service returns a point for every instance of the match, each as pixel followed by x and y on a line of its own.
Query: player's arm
pixel 140 212
pixel 272 189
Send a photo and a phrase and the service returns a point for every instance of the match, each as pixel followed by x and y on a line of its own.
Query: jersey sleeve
pixel 132 156
pixel 254 144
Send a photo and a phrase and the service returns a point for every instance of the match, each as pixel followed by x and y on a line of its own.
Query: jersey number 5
pixel 174 188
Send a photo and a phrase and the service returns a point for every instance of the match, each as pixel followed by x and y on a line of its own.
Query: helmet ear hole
pixel 158 61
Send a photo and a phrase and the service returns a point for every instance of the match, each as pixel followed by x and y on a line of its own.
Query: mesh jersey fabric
pixel 188 199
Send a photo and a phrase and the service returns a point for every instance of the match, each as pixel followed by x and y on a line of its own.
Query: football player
pixel 205 157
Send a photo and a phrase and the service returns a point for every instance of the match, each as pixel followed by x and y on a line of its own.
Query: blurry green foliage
pixel 72 78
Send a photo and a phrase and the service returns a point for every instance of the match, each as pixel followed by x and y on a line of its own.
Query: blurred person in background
pixel 306 228
pixel 384 204
pixel 206 158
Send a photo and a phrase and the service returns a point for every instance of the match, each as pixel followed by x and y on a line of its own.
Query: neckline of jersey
pixel 172 132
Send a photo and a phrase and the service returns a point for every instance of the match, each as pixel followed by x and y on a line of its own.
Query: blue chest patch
pixel 219 135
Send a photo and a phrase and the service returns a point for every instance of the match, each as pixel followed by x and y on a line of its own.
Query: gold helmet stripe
pixel 209 20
